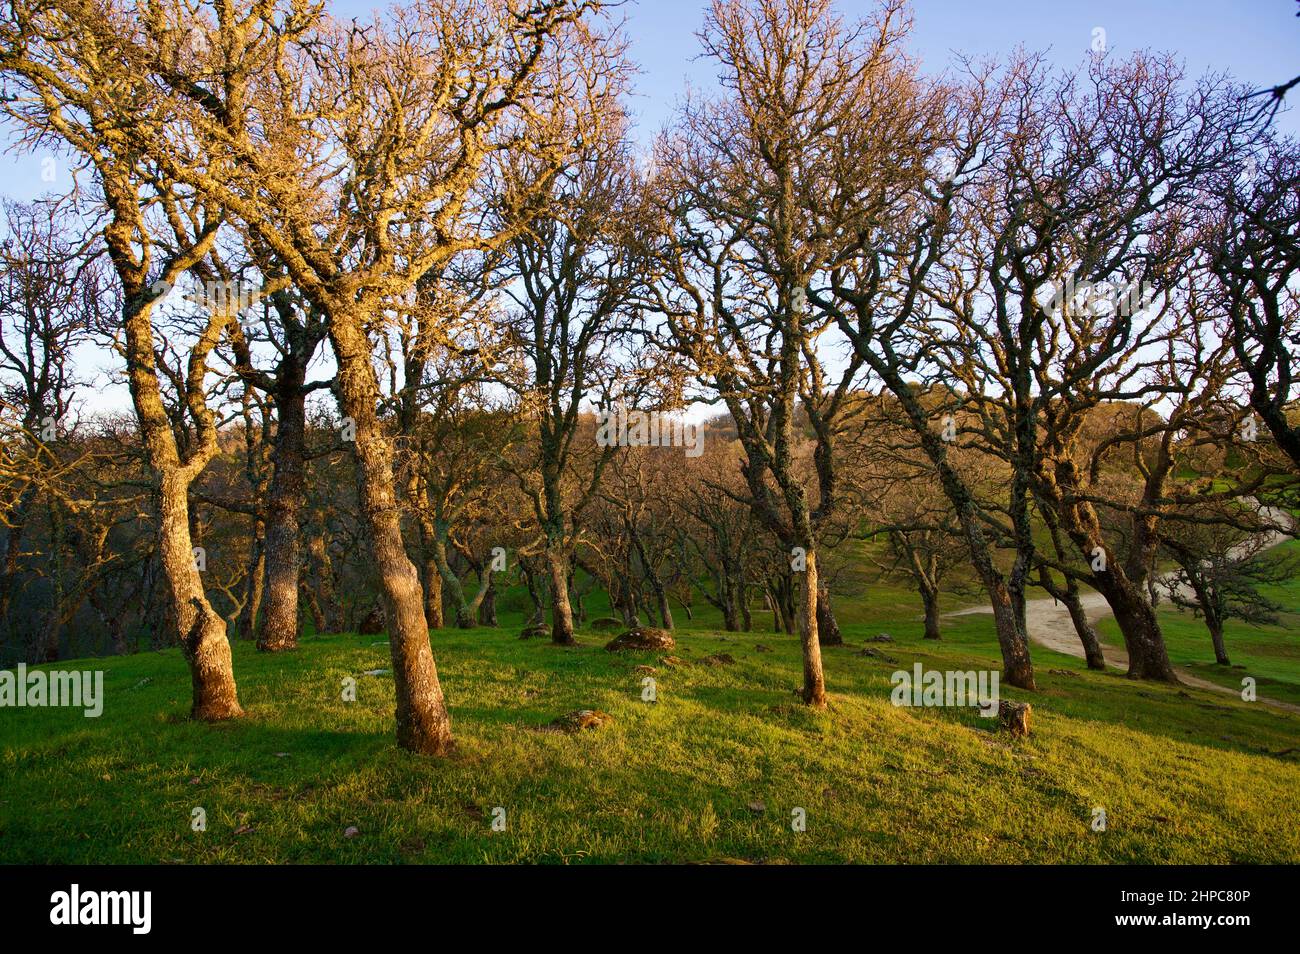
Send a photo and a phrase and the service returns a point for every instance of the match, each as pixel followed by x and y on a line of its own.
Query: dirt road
pixel 1049 624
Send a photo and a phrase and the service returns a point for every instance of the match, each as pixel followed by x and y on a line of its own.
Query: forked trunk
pixel 198 628
pixel 1136 617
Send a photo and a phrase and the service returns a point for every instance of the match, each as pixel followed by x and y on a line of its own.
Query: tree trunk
pixel 308 596
pixel 561 611
pixel 1017 668
pixel 534 593
pixel 665 611
pixel 487 611
pixel 328 612
pixel 433 594
pixel 1136 617
pixel 728 603
pixel 431 575
pixel 16 520
pixel 930 600
pixel 112 620
pixel 814 682
pixel 279 629
pixel 579 603
pixel 255 586
pixel 464 612
pixel 828 630
pixel 1087 635
pixel 1215 626
pixel 423 723
pixel 200 630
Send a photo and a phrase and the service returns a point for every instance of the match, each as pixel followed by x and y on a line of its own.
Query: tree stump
pixel 1014 717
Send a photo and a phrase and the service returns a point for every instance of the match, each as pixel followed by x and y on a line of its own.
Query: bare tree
pixel 69 78
pixel 423 109
pixel 1256 245
pixel 748 216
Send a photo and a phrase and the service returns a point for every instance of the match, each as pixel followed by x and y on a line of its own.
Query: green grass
pixel 1184 776
pixel 1269 654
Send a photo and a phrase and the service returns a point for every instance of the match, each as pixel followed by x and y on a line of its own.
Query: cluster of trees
pixel 1026 328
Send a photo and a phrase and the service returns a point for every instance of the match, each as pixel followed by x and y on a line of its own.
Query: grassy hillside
pixel 711 771
pixel 1270 654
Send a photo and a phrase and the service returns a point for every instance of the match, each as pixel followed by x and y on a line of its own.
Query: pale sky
pixel 1256 41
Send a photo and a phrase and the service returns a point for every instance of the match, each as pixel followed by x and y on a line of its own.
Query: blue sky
pixel 1258 41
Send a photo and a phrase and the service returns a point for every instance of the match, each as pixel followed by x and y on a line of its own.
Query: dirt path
pixel 1050 626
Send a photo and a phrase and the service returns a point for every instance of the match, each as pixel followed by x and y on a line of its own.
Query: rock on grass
pixel 581 719
pixel 645 638
pixel 718 659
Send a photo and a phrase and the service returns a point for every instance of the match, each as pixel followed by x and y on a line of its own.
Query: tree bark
pixel 534 592
pixel 814 681
pixel 1087 635
pixel 280 627
pixel 433 594
pixel 200 629
pixel 930 600
pixel 423 723
pixel 1017 668
pixel 1216 636
pixel 1136 617
pixel 828 630
pixel 324 603
pixel 487 611
pixel 255 588
pixel 561 611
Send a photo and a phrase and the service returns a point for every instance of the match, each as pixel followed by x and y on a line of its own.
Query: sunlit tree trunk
pixel 423 723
